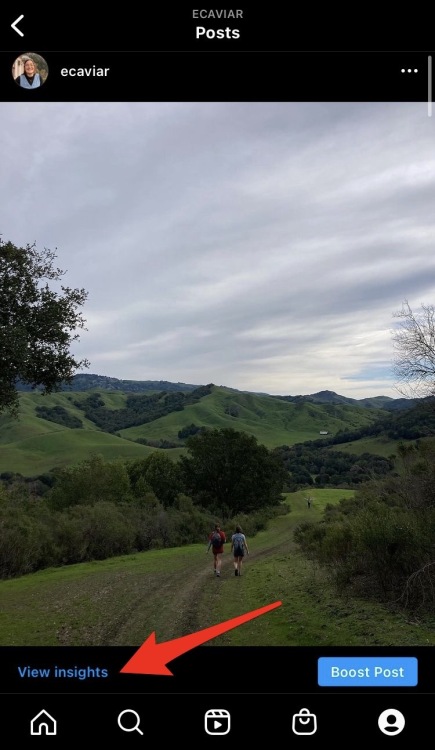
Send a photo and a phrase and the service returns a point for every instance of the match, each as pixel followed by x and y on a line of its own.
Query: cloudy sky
pixel 262 246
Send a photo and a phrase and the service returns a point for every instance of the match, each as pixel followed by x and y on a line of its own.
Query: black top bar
pixel 192 53
pixel 190 26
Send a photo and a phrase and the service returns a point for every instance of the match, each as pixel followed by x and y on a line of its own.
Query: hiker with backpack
pixel 216 543
pixel 238 547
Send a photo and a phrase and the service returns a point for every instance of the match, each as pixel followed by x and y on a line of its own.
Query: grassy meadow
pixel 379 446
pixel 173 592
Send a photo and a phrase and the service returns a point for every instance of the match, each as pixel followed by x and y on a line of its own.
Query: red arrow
pixel 152 657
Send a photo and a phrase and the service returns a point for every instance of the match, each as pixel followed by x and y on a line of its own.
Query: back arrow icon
pixel 14 25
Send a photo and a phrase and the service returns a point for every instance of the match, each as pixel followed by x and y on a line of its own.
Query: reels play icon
pixel 217 721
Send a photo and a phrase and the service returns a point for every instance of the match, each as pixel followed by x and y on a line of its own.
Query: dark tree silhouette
pixel 37 324
pixel 229 470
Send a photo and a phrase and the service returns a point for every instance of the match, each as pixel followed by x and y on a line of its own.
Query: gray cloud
pixel 264 246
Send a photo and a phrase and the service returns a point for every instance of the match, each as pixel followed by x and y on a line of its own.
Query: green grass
pixel 173 592
pixel 380 446
pixel 62 447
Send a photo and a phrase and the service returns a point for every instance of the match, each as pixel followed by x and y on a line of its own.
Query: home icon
pixel 43 723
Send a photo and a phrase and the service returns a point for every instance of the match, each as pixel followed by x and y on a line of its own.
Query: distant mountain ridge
pixel 87 382
pixel 374 402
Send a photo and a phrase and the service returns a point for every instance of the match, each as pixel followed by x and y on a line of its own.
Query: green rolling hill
pixel 33 445
pixel 39 454
pixel 272 421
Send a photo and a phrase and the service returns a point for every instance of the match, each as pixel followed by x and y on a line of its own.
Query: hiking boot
pixel 218 573
pixel 236 572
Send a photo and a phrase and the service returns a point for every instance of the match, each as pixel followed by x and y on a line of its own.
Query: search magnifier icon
pixel 135 727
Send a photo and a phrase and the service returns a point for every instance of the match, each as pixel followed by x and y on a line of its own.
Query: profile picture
pixel 30 70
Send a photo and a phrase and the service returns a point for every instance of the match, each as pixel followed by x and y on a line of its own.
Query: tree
pixel 160 474
pixel 229 471
pixel 37 323
pixel 414 342
pixel 90 481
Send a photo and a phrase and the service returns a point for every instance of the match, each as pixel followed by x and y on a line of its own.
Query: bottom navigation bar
pixel 200 716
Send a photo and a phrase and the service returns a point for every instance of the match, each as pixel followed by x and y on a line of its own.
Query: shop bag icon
pixel 304 722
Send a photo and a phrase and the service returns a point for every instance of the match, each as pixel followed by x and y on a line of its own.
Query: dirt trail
pixel 122 608
pixel 199 596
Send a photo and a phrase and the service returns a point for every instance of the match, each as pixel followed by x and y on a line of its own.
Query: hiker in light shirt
pixel 239 546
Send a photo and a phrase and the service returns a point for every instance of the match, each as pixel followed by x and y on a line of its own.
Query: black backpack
pixel 216 540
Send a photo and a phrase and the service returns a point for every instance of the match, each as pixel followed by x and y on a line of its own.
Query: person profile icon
pixel 30 70
pixel 391 721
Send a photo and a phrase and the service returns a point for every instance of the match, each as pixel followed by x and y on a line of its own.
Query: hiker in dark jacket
pixel 216 543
